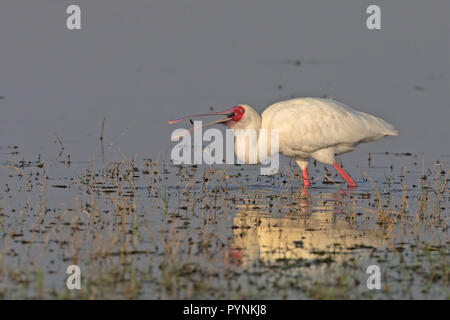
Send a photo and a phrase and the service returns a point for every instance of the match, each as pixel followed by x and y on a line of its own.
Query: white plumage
pixel 308 128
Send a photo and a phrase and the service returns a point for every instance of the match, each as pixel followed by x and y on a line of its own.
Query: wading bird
pixel 307 128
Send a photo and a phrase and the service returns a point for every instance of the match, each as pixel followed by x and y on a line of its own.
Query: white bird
pixel 307 128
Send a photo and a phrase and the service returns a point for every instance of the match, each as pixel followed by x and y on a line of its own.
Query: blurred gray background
pixel 140 63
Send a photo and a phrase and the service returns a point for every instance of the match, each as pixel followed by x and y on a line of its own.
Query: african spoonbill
pixel 307 128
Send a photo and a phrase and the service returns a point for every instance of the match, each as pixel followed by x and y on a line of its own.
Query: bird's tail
pixel 379 126
pixel 388 129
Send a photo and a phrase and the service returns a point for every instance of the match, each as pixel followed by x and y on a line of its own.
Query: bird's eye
pixel 242 110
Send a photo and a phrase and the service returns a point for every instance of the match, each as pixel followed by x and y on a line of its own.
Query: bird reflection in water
pixel 296 226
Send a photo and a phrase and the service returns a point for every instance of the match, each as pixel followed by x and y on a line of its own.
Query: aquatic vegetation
pixel 140 228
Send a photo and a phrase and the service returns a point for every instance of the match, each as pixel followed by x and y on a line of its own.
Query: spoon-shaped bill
pixel 202 126
pixel 229 113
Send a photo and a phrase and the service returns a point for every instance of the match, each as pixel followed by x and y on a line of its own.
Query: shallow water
pixel 142 228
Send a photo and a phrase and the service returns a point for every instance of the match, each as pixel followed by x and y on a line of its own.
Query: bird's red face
pixel 233 116
pixel 239 112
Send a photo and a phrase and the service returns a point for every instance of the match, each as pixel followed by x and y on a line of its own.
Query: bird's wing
pixel 309 124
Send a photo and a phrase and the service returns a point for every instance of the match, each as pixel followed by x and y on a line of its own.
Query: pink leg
pixel 351 183
pixel 305 177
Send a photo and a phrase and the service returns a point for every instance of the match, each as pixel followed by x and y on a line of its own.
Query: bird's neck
pixel 251 142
